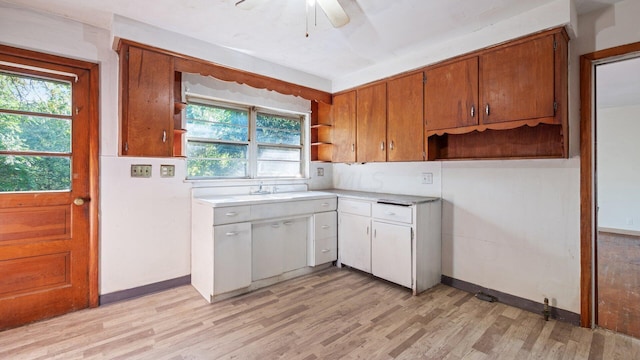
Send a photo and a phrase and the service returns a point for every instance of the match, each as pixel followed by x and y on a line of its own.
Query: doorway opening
pixel 605 265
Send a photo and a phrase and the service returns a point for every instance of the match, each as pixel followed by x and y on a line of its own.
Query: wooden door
pixel 404 124
pixel 517 82
pixel 371 123
pixel 451 95
pixel 147 102
pixel 48 186
pixel 343 112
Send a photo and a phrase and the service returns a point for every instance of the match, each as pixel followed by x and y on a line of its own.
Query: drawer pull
pixel 326 226
pixel 231 213
pixel 288 222
pixel 389 213
pixel 324 204
pixel 325 250
pixel 231 233
pixel 275 226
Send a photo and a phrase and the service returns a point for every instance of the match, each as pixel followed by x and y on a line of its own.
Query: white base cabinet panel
pixel 231 257
pixel 391 253
pixel 354 241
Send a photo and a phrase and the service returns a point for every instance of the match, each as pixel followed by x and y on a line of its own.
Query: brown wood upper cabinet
pixel 343 114
pixel 451 95
pixel 517 82
pixel 497 89
pixel 404 118
pixel 371 124
pixel 147 82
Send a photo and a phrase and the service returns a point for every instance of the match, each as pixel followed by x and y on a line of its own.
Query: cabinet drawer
pixel 231 214
pixel 326 225
pixel 393 212
pixel 321 205
pixel 355 207
pixel 326 250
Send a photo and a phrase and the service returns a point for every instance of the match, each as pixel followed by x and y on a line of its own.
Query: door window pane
pixel 25 93
pixel 34 173
pixel 34 133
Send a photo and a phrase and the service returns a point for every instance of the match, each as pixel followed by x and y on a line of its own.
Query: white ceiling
pixel 274 30
pixel 380 31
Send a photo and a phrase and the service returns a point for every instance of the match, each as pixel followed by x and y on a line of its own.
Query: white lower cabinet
pixel 391 252
pixel 398 243
pixel 232 257
pixel 238 248
pixel 354 241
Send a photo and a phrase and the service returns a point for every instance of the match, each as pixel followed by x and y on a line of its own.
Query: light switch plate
pixel 167 170
pixel 427 178
pixel 141 171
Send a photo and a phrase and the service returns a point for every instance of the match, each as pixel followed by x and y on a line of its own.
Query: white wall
pixel 618 168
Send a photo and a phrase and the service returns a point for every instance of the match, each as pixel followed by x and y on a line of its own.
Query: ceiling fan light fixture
pixel 334 11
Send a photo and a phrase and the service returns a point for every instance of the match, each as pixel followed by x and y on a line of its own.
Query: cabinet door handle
pixel 325 250
pixel 382 145
pixel 473 111
pixel 375 233
pixel 231 213
pixel 288 222
pixel 164 136
pixel 391 145
pixel 231 233
pixel 325 226
pixel 486 109
pixel 353 147
pixel 275 226
pixel 367 230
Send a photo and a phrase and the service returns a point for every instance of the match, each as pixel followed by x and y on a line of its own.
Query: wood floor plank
pixel 332 314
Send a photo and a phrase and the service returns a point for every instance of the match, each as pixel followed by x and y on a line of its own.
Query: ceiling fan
pixel 332 8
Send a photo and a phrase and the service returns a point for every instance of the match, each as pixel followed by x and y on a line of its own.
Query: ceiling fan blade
pixel 334 12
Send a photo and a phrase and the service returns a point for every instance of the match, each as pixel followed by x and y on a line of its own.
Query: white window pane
pixel 276 153
pixel 279 169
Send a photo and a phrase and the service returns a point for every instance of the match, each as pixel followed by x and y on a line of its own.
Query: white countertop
pixel 383 197
pixel 252 199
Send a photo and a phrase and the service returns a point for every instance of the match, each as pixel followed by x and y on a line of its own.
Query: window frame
pixel 253 144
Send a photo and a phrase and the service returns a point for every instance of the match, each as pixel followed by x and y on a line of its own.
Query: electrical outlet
pixel 141 171
pixel 427 178
pixel 167 170
pixel 320 171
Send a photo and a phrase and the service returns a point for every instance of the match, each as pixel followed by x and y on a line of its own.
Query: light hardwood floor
pixel 333 314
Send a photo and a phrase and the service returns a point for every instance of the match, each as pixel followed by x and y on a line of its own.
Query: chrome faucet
pixel 260 190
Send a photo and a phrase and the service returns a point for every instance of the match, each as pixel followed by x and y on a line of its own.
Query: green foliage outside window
pixel 22 133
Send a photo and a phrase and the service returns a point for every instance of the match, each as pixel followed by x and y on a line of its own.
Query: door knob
pixel 79 201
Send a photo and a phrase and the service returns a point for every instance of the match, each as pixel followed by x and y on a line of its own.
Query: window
pixel 229 141
pixel 35 133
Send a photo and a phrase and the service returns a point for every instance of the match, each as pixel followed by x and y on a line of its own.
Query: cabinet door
pixel 517 82
pixel 267 250
pixel 294 233
pixel 451 95
pixel 404 124
pixel 343 138
pixel 354 241
pixel 371 123
pixel 147 103
pixel 391 253
pixel 231 257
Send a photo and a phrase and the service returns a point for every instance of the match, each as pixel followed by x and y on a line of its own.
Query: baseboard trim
pixel 512 300
pixel 144 290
